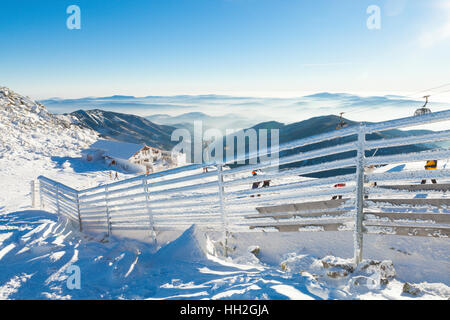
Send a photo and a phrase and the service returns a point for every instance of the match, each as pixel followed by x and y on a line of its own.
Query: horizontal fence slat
pixel 408 175
pixel 150 176
pixel 60 185
pixel 411 140
pixel 184 198
pixel 305 206
pixel 286 215
pixel 439 218
pixel 61 205
pixel 409 121
pixel 417 231
pixel 296 226
pixel 409 157
pixel 183 179
pixel 55 190
pixel 295 158
pixel 68 203
pixel 418 187
pixel 439 203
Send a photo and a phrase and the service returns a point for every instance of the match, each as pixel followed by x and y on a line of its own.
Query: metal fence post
pixel 57 200
pixel 359 216
pixel 222 208
pixel 33 194
pixel 78 210
pixel 149 210
pixel 108 221
pixel 41 197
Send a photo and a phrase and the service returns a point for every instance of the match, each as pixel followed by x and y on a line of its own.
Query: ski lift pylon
pixel 424 109
pixel 342 124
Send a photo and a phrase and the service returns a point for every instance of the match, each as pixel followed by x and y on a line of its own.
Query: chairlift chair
pixel 342 124
pixel 422 111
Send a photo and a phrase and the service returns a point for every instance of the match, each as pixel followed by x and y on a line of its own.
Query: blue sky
pixel 239 47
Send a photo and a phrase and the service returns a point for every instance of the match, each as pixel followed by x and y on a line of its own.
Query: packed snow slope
pixel 36 142
pixel 29 130
pixel 38 249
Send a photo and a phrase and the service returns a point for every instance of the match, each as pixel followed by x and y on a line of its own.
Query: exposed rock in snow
pixel 296 263
pixel 35 142
pixel 250 257
pixel 411 289
pixel 29 130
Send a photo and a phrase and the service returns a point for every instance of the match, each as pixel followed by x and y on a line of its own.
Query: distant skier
pixel 255 184
pixel 117 176
pixel 266 183
pixel 206 154
pixel 430 165
pixel 369 170
pixel 338 185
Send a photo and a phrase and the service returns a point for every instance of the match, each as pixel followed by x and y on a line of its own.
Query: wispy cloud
pixel 329 64
pixel 438 33
pixel 395 7
pixel 433 37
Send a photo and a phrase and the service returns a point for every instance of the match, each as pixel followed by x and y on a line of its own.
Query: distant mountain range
pixel 324 124
pixel 135 129
pixel 218 110
pixel 186 120
pixel 125 127
pixel 21 111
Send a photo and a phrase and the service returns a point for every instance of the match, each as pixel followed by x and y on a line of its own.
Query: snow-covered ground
pixel 38 248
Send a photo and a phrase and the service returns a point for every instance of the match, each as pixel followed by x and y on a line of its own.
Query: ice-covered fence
pixel 170 200
pixel 372 202
pixel 60 198
pixel 222 199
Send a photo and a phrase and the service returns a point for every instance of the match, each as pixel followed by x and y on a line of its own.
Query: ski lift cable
pixel 439 93
pixel 364 109
pixel 425 97
pixel 415 94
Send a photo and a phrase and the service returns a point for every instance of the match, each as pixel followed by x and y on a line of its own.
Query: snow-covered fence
pixel 223 198
pixel 34 191
pixel 59 198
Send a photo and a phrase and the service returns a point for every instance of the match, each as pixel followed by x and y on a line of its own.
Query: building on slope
pixel 133 157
